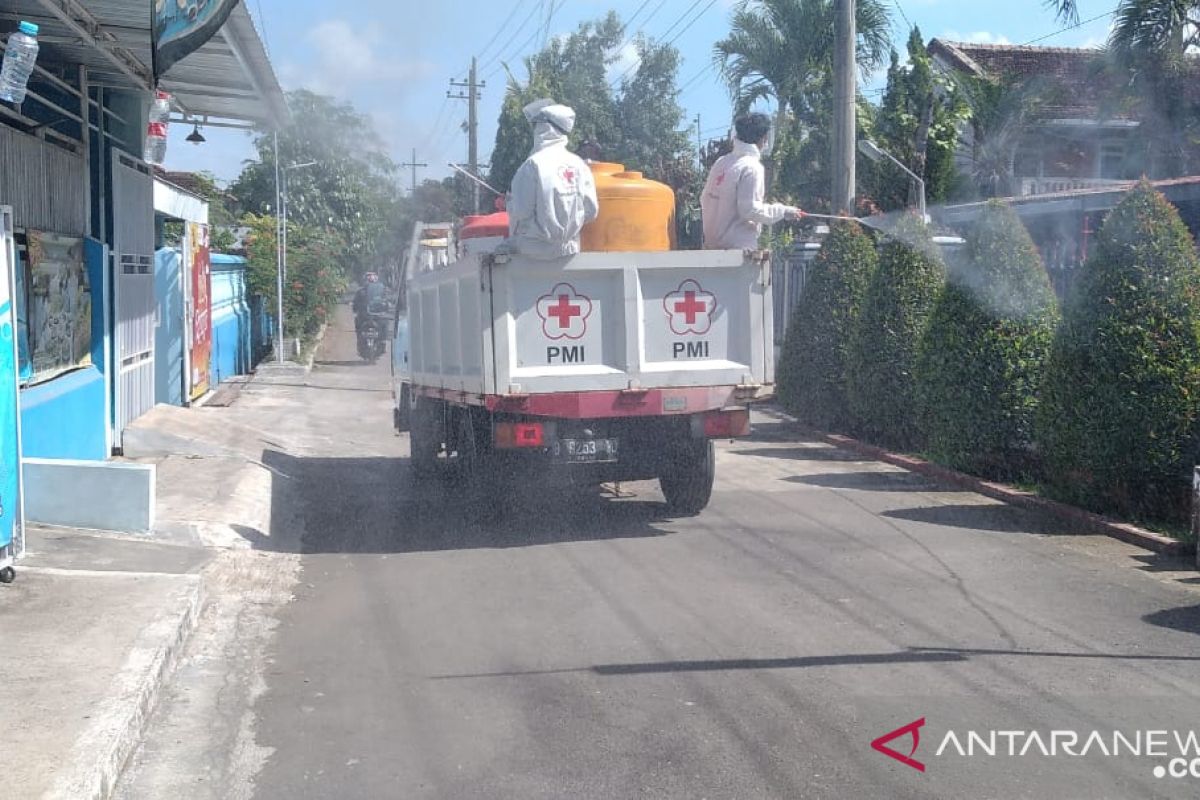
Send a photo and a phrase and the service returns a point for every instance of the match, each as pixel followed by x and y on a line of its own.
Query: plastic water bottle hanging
pixel 156 130
pixel 20 54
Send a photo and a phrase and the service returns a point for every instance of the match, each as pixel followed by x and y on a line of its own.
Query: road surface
pixel 593 647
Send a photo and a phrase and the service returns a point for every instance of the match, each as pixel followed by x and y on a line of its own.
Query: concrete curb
pixel 102 752
pixel 1085 521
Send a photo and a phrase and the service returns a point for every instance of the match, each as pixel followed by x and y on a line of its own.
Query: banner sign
pixel 183 26
pixel 58 299
pixel 201 305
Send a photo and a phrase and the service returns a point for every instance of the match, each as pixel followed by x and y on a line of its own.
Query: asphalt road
pixel 593 647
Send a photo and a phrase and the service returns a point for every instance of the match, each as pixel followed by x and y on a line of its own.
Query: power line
pixel 516 7
pixel 695 19
pixel 521 49
pixel 1096 18
pixel 900 8
pixel 512 38
pixel 688 83
pixel 678 20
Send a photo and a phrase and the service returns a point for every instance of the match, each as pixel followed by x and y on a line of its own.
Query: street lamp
pixel 281 241
pixel 284 209
pixel 877 154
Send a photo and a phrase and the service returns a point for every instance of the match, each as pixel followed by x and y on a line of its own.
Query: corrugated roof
pixel 228 78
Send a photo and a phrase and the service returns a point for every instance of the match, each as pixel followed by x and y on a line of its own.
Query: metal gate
pixel 133 299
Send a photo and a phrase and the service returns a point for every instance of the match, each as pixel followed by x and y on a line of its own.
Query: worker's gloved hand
pixel 795 212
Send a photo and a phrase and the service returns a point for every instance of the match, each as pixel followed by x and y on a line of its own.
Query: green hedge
pixel 884 341
pixel 1118 419
pixel 812 370
pixel 983 357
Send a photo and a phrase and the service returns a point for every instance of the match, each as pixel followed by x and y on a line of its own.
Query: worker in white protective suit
pixel 732 204
pixel 553 193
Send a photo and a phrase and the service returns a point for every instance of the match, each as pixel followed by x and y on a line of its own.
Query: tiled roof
pixel 1071 73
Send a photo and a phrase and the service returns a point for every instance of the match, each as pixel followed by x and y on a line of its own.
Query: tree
pixel 883 345
pixel 782 50
pixel 918 123
pixel 314 282
pixel 812 371
pixel 1000 111
pixel 571 70
pixel 1118 421
pixel 637 125
pixel 982 359
pixel 349 190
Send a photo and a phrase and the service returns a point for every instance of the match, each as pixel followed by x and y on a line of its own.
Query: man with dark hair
pixel 732 204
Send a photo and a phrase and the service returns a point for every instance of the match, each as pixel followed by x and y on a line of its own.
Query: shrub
pixel 1119 411
pixel 812 371
pixel 883 345
pixel 981 361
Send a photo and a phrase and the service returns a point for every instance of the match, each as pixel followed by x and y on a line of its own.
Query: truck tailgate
pixel 619 321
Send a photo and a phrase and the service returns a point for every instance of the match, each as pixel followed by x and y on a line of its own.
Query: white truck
pixel 604 366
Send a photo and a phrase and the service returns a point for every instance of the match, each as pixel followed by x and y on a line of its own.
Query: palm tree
pixel 1146 26
pixel 782 50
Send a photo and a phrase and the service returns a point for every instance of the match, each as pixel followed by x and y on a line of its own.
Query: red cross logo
pixel 720 178
pixel 564 312
pixel 690 308
pixel 569 177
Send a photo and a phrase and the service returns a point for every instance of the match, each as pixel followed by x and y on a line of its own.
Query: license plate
pixel 586 451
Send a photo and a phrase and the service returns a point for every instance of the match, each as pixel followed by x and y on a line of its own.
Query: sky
pixel 394 59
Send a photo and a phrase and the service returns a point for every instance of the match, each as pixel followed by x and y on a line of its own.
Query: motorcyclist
pixel 368 298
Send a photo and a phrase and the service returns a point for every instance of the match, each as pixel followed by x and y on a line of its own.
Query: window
pixel 1112 160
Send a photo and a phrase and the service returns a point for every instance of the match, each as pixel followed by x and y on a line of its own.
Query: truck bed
pixel 658 333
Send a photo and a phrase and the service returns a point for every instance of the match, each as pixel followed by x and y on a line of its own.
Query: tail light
pixel 511 435
pixel 727 424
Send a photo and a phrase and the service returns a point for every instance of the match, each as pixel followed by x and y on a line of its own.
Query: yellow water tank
pixel 636 214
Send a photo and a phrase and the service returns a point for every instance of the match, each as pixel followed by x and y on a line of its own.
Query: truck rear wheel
pixel 688 482
pixel 425 437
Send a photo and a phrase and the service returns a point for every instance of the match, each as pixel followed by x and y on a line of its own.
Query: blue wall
pixel 168 338
pixel 233 351
pixel 66 417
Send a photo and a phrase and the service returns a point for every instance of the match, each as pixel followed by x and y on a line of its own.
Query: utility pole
pixel 845 101
pixel 472 95
pixel 699 147
pixel 278 253
pixel 414 164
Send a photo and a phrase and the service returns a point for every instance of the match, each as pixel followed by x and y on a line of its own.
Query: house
pixel 1074 157
pixel 1074 137
pixel 79 242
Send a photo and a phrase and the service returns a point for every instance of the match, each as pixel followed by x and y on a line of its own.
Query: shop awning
pixel 228 80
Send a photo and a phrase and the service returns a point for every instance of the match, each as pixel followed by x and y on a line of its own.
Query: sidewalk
pixel 96 623
pixel 89 630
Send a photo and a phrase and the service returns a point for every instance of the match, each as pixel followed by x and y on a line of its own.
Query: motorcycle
pixel 372 340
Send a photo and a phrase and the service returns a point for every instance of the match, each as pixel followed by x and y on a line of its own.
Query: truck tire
pixel 688 482
pixel 402 413
pixel 425 437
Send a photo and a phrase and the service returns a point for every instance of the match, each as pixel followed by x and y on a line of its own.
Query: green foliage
pixel 1118 419
pixel 812 371
pixel 918 123
pixel 883 345
pixel 351 189
pixel 981 362
pixel 638 125
pixel 315 278
pixel 782 50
